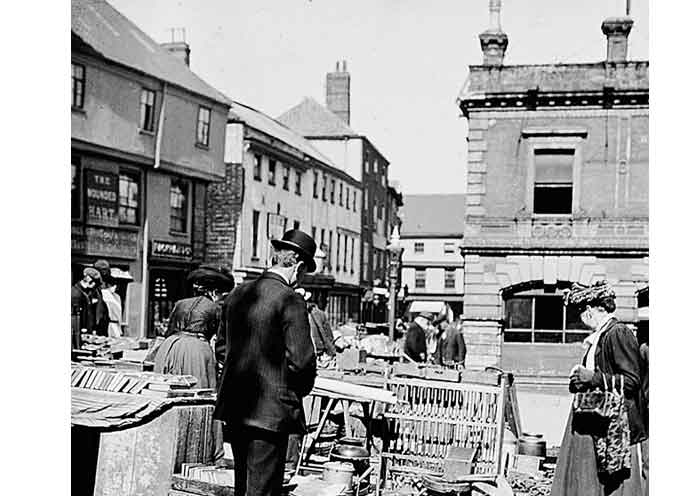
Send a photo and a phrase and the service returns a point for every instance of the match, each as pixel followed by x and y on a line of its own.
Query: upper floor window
pixel 450 278
pixel 384 179
pixel 315 185
pixel 178 203
pixel 347 198
pixel 333 191
pixel 255 233
pixel 449 247
pixel 147 110
pixel 374 167
pixel 419 247
pixel 553 181
pixel 78 85
pixel 286 178
pixel 128 198
pixel 340 194
pixel 323 188
pixel 272 172
pixel 296 224
pixel 203 128
pixel 314 233
pixel 537 317
pixel 380 211
pixel 257 166
pixel 355 197
pixel 298 183
pixel 420 278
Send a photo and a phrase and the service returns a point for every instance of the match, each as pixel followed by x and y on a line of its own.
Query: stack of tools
pixel 431 417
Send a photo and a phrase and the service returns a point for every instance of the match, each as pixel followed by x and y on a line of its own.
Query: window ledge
pixel 178 234
pixel 79 110
pixel 146 132
pixel 202 146
pixel 254 259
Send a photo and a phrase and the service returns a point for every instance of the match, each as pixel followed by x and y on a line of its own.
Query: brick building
pixel 277 180
pixel 328 129
pixel 557 192
pixel 147 137
pixel 432 267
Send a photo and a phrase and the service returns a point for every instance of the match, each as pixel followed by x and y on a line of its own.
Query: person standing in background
pixel 322 335
pixel 416 347
pixel 113 303
pixel 83 298
pixel 102 309
pixel 451 349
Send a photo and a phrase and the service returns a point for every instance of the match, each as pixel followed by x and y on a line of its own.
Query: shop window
pixel 420 278
pixel 315 185
pixel 147 110
pixel 419 247
pixel 128 198
pixel 272 172
pixel 553 181
pixel 542 318
pixel 257 166
pixel 78 86
pixel 203 128
pixel 333 191
pixel 255 234
pixel 298 183
pixel 178 203
pixel 449 247
pixel 450 278
pixel 75 188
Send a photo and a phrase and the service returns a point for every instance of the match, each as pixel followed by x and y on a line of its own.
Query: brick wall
pixel 223 208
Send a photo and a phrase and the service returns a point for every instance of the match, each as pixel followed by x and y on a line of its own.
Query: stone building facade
pixel 557 193
pixel 147 137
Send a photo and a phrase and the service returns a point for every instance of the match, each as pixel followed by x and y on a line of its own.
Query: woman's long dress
pixel 187 350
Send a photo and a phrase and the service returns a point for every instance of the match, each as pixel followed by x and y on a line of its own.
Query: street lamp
pixel 395 253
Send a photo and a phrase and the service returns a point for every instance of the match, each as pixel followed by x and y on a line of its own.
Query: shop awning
pixel 117 273
pixel 433 307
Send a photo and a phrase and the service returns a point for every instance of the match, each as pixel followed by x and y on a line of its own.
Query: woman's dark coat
pixel 270 362
pixel 617 354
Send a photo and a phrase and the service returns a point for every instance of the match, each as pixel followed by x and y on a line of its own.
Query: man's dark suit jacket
pixel 450 349
pixel 618 354
pixel 270 362
pixel 415 343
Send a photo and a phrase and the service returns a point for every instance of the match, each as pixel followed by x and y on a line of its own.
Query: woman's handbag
pixel 593 407
pixel 612 449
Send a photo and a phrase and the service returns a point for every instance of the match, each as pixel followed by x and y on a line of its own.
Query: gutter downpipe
pixel 146 228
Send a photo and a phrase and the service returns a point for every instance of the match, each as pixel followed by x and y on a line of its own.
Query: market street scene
pixel 359 248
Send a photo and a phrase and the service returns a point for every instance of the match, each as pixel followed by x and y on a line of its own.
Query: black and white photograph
pixel 354 247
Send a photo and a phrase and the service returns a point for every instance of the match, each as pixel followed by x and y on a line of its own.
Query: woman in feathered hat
pixel 592 462
pixel 192 324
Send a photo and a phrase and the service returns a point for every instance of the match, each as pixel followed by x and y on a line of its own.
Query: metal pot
pixel 357 455
pixel 532 444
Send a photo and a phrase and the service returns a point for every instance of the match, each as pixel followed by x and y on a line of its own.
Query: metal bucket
pixel 338 473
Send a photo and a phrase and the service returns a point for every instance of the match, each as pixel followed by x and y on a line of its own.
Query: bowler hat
pixel 426 316
pixel 301 243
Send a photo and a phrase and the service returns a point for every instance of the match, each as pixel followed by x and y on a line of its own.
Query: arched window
pixel 536 314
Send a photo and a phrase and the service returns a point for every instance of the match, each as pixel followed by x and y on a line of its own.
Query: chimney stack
pixel 338 92
pixel 493 40
pixel 617 29
pixel 179 48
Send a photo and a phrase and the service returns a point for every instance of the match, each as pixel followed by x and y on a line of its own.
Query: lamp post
pixel 395 253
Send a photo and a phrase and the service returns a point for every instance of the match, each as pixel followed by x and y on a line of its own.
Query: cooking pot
pixel 356 455
pixel 532 444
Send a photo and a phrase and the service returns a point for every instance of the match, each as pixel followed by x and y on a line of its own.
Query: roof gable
pixel 309 118
pixel 115 37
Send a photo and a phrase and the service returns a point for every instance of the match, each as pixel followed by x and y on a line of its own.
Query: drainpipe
pixel 146 227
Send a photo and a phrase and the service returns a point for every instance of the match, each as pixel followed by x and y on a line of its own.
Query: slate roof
pixel 429 215
pixel 267 125
pixel 116 38
pixel 310 118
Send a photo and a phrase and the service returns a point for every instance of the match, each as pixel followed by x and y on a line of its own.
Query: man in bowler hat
pixel 270 365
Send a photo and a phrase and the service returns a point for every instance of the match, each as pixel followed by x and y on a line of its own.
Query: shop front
pixel 343 304
pixel 169 264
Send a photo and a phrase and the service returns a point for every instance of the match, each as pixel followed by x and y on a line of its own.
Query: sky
pixel 408 60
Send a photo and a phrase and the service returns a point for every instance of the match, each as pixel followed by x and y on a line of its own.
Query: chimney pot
pixel 493 40
pixel 617 29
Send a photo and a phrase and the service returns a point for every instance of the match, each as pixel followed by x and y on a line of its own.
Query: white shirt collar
pixel 280 273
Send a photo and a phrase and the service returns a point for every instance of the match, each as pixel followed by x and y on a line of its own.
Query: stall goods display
pixel 528 485
pixel 117 381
